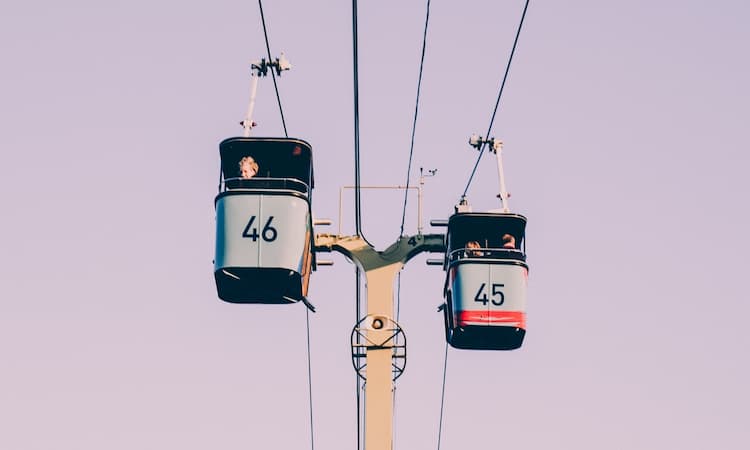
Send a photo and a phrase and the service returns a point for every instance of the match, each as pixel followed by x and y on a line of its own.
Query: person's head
pixel 472 248
pixel 248 167
pixel 509 241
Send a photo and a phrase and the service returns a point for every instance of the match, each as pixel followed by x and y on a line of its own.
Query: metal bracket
pixel 260 69
pixel 278 65
pixel 378 333
pixel 496 147
pixel 478 142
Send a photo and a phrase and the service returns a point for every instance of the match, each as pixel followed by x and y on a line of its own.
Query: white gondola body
pixel 487 302
pixel 256 230
pixel 486 281
pixel 263 231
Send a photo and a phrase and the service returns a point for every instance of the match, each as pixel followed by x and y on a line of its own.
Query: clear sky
pixel 625 130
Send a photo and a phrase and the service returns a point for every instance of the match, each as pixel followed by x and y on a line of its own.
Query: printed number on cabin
pixel 268 234
pixel 498 298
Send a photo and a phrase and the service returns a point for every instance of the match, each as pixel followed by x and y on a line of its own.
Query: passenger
pixel 472 247
pixel 509 242
pixel 248 167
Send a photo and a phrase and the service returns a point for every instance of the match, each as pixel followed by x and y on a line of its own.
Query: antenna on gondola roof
pixel 260 69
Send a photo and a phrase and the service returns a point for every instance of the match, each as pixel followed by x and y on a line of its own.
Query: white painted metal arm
pixel 497 147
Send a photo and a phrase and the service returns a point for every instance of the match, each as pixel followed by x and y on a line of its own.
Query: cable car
pixel 486 280
pixel 264 230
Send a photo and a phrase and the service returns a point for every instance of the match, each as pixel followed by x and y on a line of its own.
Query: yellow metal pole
pixel 379 387
pixel 380 270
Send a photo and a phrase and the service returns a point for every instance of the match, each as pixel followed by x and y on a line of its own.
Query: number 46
pixel 482 295
pixel 269 233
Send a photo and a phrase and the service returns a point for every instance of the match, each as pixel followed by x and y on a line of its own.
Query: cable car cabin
pixel 486 279
pixel 263 220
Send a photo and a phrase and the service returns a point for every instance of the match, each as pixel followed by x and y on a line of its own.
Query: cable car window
pixel 266 163
pixel 486 235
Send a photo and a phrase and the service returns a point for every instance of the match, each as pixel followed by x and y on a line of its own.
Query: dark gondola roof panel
pixel 276 157
pixel 488 226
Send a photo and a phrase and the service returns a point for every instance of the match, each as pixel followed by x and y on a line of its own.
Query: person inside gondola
pixel 248 167
pixel 472 249
pixel 509 242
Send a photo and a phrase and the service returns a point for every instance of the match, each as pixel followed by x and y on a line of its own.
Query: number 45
pixel 482 295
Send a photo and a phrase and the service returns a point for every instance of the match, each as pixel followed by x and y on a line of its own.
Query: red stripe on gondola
pixel 501 318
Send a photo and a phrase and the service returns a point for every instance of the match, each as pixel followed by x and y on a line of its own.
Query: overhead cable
pixel 408 169
pixel 357 189
pixel 442 396
pixel 416 113
pixel 309 379
pixel 356 375
pixel 355 64
pixel 273 75
pixel 307 312
pixel 497 103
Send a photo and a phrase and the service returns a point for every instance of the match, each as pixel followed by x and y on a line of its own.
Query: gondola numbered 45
pixel 486 280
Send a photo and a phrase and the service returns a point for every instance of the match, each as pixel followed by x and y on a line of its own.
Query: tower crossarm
pixel 365 256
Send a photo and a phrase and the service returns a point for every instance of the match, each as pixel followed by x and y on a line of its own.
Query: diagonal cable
pixel 273 75
pixel 442 396
pixel 497 103
pixel 416 113
pixel 309 379
pixel 408 168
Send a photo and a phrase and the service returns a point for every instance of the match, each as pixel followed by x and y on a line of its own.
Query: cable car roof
pixel 464 227
pixel 276 157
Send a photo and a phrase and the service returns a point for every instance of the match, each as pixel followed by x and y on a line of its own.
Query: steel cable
pixel 273 75
pixel 416 113
pixel 357 212
pixel 442 396
pixel 307 311
pixel 309 378
pixel 355 64
pixel 356 375
pixel 497 103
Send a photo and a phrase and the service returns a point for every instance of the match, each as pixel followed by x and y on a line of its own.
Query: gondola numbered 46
pixel 264 228
pixel 486 280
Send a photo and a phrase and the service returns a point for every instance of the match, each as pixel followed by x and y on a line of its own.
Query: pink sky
pixel 625 140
